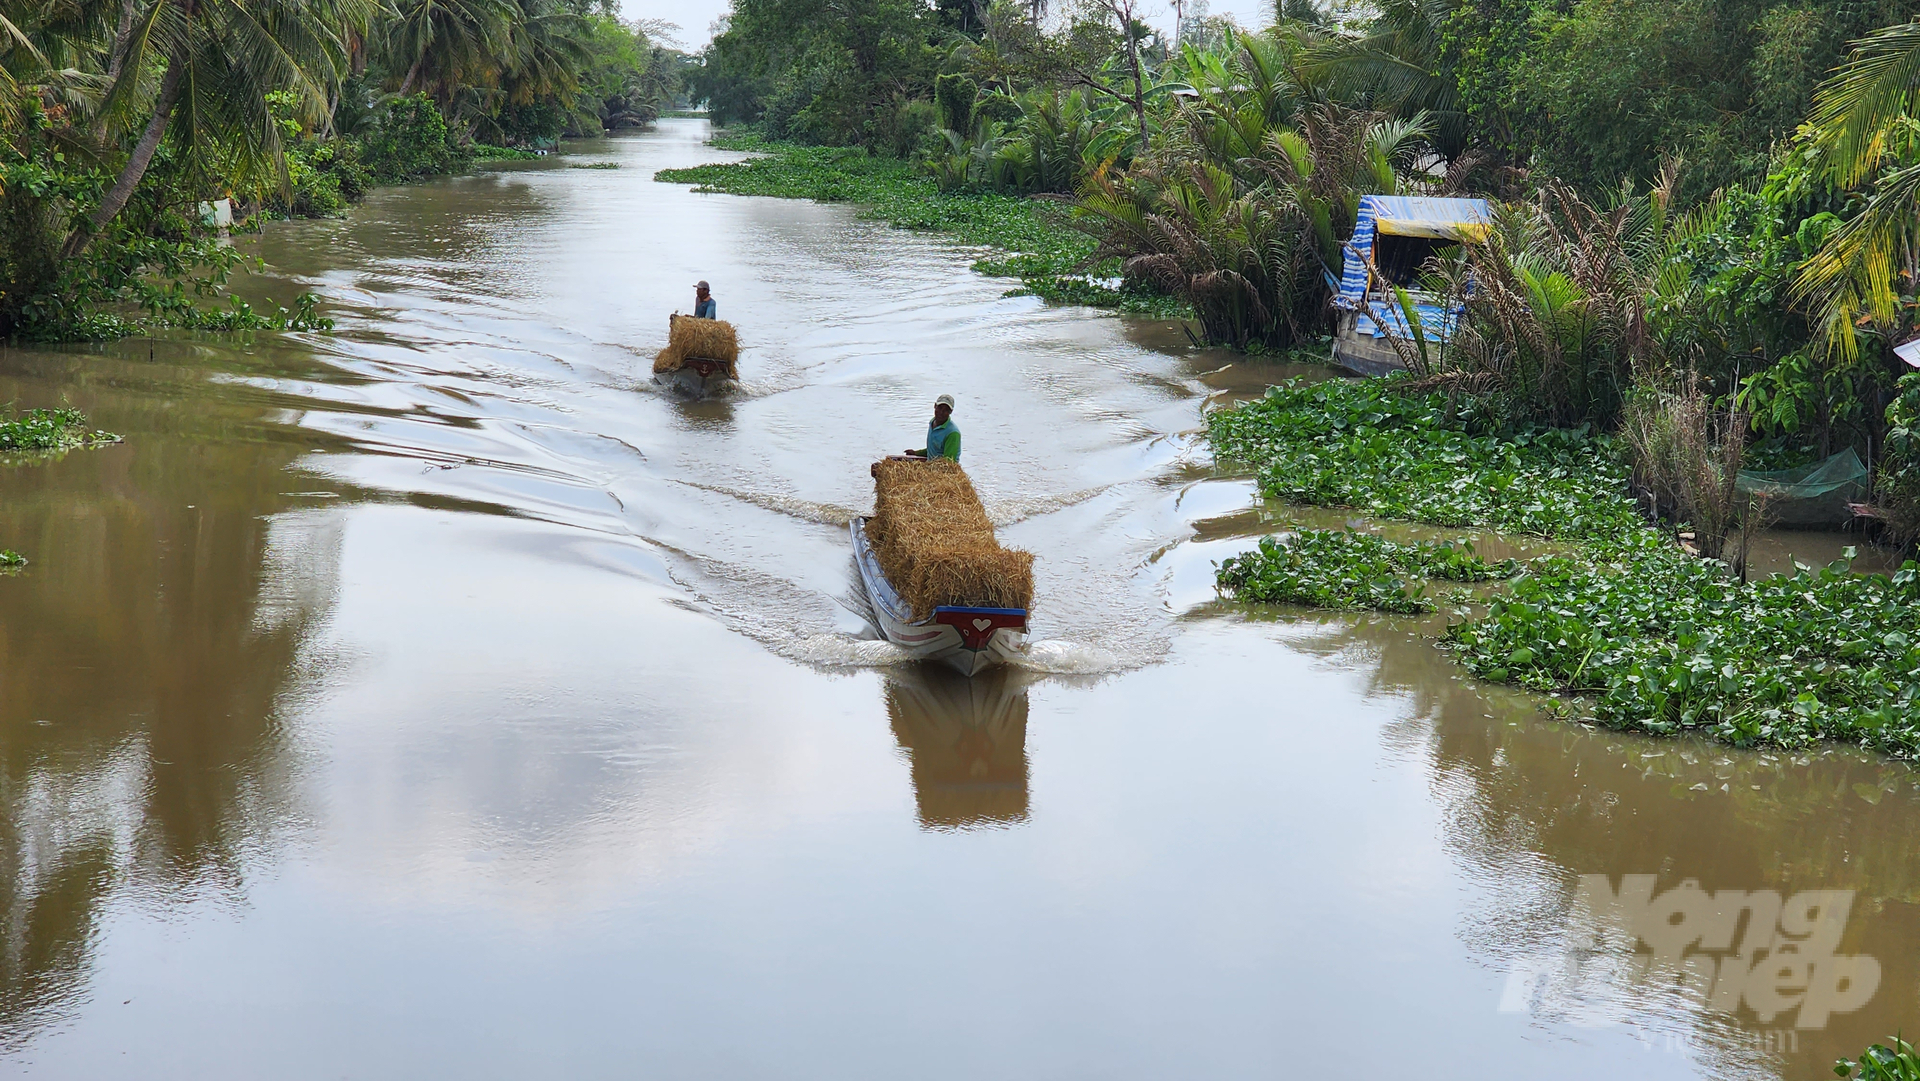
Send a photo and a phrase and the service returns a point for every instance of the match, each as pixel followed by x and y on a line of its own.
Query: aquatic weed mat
pixel 933 538
pixel 1658 640
pixel 1666 642
pixel 45 431
pixel 1370 446
pixel 1352 571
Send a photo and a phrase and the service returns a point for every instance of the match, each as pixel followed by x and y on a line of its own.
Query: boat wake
pixel 1006 512
pixel 1056 657
pixel 804 509
pixel 844 651
pixel 1051 657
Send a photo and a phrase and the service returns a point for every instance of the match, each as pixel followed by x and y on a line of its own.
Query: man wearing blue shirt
pixel 703 305
pixel 943 439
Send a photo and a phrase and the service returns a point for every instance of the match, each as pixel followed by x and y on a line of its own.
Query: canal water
pixel 439 698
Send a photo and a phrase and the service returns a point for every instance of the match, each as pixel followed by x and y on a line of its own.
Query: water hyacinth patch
pixel 1332 569
pixel 1661 641
pixel 39 430
pixel 11 560
pixel 1667 643
pixel 1377 448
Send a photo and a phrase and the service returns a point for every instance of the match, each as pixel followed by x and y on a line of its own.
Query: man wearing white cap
pixel 943 439
pixel 703 305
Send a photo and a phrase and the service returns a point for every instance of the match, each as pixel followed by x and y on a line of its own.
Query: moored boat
pixel 969 639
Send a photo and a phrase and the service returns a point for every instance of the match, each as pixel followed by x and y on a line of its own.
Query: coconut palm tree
pixel 1397 65
pixel 441 44
pixel 547 52
pixel 217 61
pixel 1867 121
pixel 1245 225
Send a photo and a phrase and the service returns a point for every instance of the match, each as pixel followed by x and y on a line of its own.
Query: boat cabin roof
pixel 1444 220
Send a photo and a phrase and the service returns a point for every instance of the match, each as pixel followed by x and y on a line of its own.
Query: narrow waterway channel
pixel 441 699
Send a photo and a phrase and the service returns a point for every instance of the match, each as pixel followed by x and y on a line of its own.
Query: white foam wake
pixel 1061 658
pixel 804 509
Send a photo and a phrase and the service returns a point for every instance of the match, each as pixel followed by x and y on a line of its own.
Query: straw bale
pixel 698 339
pixel 934 540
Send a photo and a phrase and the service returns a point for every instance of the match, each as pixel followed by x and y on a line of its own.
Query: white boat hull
pixel 971 640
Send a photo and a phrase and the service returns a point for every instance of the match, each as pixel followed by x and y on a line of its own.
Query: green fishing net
pixel 1810 495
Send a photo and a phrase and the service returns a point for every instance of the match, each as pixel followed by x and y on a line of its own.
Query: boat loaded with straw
pixel 942 587
pixel 701 354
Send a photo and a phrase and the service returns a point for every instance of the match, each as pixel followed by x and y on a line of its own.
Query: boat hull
pixel 969 640
pixel 689 380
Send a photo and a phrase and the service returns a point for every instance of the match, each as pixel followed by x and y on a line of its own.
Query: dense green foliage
pixel 1665 643
pixel 1545 83
pixel 1426 457
pixel 1331 569
pixel 838 71
pixel 1661 640
pixel 1033 244
pixel 122 123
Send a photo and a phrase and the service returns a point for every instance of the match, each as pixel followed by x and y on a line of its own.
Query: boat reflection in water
pixel 967 739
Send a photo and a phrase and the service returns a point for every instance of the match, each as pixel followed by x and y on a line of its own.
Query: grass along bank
pixel 1035 244
pixel 1658 640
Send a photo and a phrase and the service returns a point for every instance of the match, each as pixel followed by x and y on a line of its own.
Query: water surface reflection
pixel 1530 806
pixel 144 658
pixel 967 741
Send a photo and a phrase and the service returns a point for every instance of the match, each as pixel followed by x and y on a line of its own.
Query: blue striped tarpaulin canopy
pixel 1464 220
pixel 1383 316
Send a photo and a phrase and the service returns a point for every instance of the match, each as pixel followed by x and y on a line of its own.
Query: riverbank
pixel 1033 239
pixel 1649 637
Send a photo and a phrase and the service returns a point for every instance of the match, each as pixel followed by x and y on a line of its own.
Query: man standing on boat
pixel 943 439
pixel 703 305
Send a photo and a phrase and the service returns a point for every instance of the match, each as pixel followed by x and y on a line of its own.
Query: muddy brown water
pixel 441 699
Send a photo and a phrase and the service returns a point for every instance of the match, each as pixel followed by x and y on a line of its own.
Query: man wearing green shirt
pixel 943 439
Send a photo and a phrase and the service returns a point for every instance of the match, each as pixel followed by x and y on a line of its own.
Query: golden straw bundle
pixel 933 539
pixel 698 339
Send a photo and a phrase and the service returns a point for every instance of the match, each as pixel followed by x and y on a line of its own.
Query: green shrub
pixel 1899 491
pixel 410 140
pixel 955 94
